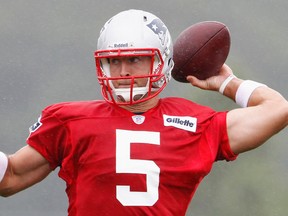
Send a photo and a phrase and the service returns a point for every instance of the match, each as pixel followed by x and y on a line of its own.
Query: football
pixel 200 50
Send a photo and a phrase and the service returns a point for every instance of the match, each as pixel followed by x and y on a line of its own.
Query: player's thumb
pixel 196 82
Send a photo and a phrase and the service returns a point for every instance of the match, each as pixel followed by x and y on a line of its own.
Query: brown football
pixel 201 50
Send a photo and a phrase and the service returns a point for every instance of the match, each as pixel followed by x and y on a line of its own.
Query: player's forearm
pixel 3 170
pixel 266 114
pixel 25 168
pixel 272 105
pixel 6 180
pixel 14 182
pixel 10 183
pixel 258 95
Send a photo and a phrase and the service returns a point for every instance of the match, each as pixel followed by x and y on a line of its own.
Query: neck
pixel 142 107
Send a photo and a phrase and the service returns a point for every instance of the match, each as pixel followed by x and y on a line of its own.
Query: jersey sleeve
pixel 48 136
pixel 217 137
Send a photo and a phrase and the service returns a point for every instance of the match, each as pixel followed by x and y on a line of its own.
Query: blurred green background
pixel 46 52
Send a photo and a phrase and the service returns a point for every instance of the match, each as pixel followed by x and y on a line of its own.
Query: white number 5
pixel 124 164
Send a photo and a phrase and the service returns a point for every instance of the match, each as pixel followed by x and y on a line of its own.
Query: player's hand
pixel 212 83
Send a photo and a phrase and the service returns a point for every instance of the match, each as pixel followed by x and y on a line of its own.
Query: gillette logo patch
pixel 182 122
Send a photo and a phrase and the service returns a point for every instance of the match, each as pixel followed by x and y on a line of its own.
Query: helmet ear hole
pixel 170 62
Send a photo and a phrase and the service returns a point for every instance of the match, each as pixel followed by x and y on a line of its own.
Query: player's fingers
pixel 197 83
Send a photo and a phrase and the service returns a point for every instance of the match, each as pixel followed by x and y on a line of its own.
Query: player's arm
pixel 25 168
pixel 249 127
pixel 266 115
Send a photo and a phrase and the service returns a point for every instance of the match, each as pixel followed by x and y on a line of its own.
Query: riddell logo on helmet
pixel 182 122
pixel 120 45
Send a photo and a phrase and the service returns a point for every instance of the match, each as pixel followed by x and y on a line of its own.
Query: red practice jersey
pixel 119 163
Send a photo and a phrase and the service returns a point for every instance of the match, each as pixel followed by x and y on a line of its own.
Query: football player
pixel 135 153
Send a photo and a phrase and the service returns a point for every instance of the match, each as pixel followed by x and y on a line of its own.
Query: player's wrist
pixel 3 165
pixel 239 90
pixel 244 92
pixel 225 83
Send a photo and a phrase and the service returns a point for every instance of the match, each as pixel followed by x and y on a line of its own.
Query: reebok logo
pixel 182 122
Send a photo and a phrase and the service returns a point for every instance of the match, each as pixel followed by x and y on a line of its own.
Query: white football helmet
pixel 134 33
